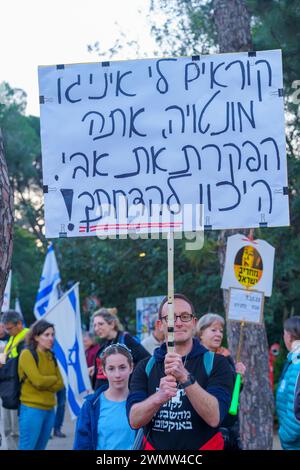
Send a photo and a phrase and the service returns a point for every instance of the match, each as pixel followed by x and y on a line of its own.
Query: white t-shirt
pixel 150 343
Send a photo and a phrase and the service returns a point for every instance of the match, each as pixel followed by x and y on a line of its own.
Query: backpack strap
pixel 121 339
pixel 36 357
pixel 208 359
pixel 34 354
pixel 149 365
pixel 20 346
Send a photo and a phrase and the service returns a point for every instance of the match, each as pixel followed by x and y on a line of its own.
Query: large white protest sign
pixel 139 139
pixel 248 264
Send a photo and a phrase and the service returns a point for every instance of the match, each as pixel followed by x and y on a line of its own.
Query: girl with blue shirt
pixel 102 423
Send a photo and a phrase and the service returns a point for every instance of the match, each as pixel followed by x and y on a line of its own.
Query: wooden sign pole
pixel 238 356
pixel 238 381
pixel 171 292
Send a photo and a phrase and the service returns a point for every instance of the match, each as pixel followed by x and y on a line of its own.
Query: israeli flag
pixel 6 297
pixel 48 293
pixel 19 310
pixel 68 347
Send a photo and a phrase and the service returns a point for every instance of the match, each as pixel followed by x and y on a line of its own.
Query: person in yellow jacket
pixel 13 325
pixel 41 379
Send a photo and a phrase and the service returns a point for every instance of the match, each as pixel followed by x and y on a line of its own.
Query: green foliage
pixel 27 263
pixel 23 156
pixel 187 27
pixel 21 142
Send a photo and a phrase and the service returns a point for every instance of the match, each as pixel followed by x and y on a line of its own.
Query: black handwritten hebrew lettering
pixel 206 202
pixel 182 117
pixel 107 203
pixel 87 168
pixel 237 117
pixel 191 73
pixel 102 95
pixel 88 209
pixel 242 70
pixel 269 192
pixel 249 116
pixel 140 153
pixel 236 112
pixel 188 151
pixel 162 84
pixel 173 199
pixel 238 153
pixel 154 156
pixel 84 169
pixel 144 160
pixel 117 196
pixel 139 199
pixel 69 89
pixel 236 194
pixel 277 156
pixel 151 202
pixel 226 125
pixel 103 203
pixel 171 196
pixel 203 131
pixel 259 79
pixel 117 121
pixel 219 155
pixel 119 89
pixel 217 76
pixel 96 160
pixel 150 157
pixel 94 115
pixel 268 68
pixel 213 70
pixel 99 85
pixel 256 159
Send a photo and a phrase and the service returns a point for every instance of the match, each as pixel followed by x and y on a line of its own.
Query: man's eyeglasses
pixel 184 317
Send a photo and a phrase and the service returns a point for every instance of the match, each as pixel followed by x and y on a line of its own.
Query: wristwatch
pixel 190 381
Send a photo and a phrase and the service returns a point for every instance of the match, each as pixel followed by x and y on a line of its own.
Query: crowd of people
pixel 144 395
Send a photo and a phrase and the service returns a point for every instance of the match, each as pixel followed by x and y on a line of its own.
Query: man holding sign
pixel 180 398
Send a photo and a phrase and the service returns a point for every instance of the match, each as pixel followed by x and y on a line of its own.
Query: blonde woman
pixel 210 331
pixel 108 328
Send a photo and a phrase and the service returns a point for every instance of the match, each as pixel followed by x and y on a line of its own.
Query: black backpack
pixel 10 384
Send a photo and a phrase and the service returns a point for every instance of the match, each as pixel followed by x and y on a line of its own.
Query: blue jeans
pixel 35 427
pixel 60 410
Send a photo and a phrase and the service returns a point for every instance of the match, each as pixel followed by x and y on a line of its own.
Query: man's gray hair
pixel 11 316
pixel 207 320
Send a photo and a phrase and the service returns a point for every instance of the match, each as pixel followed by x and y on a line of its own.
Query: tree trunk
pixel 256 404
pixel 6 222
pixel 232 21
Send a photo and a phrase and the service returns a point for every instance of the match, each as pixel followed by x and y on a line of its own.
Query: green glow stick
pixel 235 396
